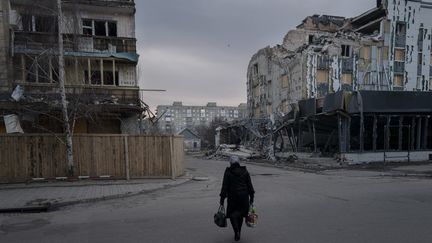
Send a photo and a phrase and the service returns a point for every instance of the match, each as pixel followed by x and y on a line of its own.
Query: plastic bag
pixel 252 217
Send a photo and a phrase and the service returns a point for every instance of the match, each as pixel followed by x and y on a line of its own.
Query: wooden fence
pixel 23 157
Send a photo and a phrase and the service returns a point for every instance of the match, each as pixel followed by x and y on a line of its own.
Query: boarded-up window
pixel 322 76
pixel 365 52
pixel 284 82
pixel 347 79
pixel 399 55
pixel 398 81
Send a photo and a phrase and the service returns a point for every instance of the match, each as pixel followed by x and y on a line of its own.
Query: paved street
pixel 342 206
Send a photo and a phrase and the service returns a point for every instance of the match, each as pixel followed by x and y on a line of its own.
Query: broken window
pixel 46 24
pixel 109 78
pixel 32 23
pixel 27 22
pixel 87 27
pixel 420 40
pixel 400 29
pixel 346 51
pixel 31 70
pixel 43 70
pixel 112 29
pixel 100 28
pixel 255 68
pixel 419 64
pixel 311 38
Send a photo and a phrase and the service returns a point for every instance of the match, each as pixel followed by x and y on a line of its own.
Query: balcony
pixel 87 94
pixel 323 62
pixel 33 41
pixel 400 41
pixel 347 65
pixel 399 67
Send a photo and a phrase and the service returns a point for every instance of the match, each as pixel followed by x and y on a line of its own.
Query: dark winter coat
pixel 237 187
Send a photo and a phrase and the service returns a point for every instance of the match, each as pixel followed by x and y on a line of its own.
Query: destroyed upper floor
pixel 387 48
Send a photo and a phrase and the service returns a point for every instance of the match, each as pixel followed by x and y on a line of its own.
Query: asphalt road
pixel 342 206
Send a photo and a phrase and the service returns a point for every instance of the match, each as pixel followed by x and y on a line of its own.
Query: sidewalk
pixel 58 194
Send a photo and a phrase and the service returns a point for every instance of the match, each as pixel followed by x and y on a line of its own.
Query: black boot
pixel 237 236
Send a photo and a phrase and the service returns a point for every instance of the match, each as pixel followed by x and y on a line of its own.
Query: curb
pixel 112 182
pixel 57 206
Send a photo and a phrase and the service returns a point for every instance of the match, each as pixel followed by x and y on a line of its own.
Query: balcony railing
pixel 399 67
pixel 87 93
pixel 347 65
pixel 400 41
pixel 73 43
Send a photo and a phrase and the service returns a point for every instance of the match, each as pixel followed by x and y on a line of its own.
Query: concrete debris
pixel 12 124
pixel 18 93
pixel 227 151
pixel 359 85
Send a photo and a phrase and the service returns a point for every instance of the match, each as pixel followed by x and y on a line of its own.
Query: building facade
pixel 100 65
pixel 174 118
pixel 350 85
pixel 385 49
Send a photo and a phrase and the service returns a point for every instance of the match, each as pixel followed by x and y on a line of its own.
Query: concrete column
pixel 101 71
pixel 375 135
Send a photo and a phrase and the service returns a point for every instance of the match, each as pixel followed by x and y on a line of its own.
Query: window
pixel 99 27
pixel 255 68
pixel 87 27
pixel 109 78
pixel 400 29
pixel 284 82
pixel 33 23
pixel 347 79
pixel 399 55
pixel 398 80
pixel 346 51
pixel 311 38
pixel 322 76
pixel 112 29
pixel 95 77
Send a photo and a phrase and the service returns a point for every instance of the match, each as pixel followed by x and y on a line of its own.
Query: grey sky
pixel 199 49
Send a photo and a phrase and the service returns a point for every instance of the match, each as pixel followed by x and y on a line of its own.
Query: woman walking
pixel 237 187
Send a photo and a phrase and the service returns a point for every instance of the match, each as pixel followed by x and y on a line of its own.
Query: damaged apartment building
pixel 356 87
pixel 100 66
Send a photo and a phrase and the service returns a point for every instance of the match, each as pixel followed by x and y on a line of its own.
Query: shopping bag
pixel 220 217
pixel 252 217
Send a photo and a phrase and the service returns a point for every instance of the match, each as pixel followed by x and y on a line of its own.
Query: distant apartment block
pixel 176 117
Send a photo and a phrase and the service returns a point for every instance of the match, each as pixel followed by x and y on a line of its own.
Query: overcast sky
pixel 199 50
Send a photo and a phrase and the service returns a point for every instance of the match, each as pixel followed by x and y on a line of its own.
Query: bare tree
pixel 67 127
